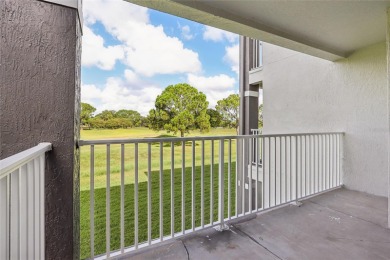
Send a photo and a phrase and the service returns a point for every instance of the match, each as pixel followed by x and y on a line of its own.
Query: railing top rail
pixel 11 163
pixel 195 138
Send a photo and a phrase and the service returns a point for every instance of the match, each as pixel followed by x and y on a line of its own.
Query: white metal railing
pixel 257 54
pixel 22 213
pixel 256 155
pixel 175 199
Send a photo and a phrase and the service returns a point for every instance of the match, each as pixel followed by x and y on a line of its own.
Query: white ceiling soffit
pixel 326 29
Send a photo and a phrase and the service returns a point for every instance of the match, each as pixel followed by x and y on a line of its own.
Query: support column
pixel 249 103
pixel 40 102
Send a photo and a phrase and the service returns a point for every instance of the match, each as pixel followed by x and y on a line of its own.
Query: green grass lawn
pixel 115 166
pixel 100 184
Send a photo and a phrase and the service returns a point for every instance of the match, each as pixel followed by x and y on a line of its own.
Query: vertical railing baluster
pixel 92 200
pixel 221 188
pixel 108 186
pixel 305 164
pixel 36 210
pixel 4 216
pixel 122 198
pixel 161 191
pixel 172 189
pixel 149 194
pixel 202 187
pixel 212 184
pixel 193 187
pixel 335 160
pixel 229 177
pixel 313 166
pixel 236 177
pixel 309 165
pixel 8 217
pixel 42 204
pixel 20 209
pixel 183 172
pixel 331 161
pixel 257 149
pixel 275 168
pixel 250 143
pixel 324 162
pixel 310 179
pixel 338 159
pixel 329 169
pixel 263 171
pixel 269 171
pixel 285 169
pixel 280 169
pixel 30 211
pixel 243 178
pixel 341 158
pixel 136 195
pixel 290 170
pixel 14 213
pixel 318 163
pixel 296 168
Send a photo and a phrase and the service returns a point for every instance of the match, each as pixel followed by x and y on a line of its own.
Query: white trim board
pixel 250 93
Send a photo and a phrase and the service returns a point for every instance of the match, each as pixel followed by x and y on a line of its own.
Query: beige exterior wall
pixel 307 94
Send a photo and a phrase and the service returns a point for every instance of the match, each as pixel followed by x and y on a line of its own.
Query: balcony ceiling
pixel 327 29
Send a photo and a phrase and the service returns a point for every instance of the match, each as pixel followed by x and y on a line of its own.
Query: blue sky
pixel 130 54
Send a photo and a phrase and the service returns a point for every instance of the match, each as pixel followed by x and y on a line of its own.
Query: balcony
pixel 267 196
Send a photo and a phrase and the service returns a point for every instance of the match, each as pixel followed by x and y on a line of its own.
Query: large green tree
pixel 86 113
pixel 229 110
pixel 180 108
pixel 134 117
pixel 106 115
pixel 215 117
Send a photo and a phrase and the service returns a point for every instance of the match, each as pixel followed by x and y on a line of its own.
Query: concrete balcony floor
pixel 341 224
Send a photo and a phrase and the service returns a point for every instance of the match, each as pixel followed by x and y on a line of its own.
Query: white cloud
pixel 186 32
pixel 232 57
pixel 90 93
pixel 218 35
pixel 113 12
pixel 96 54
pixel 131 77
pixel 117 94
pixel 215 87
pixel 148 50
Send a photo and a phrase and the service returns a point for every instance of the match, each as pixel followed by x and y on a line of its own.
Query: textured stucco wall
pixel 307 94
pixel 39 92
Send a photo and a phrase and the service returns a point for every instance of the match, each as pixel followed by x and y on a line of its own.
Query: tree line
pixel 179 108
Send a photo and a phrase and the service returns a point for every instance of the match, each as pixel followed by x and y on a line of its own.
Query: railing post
pixel 221 188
